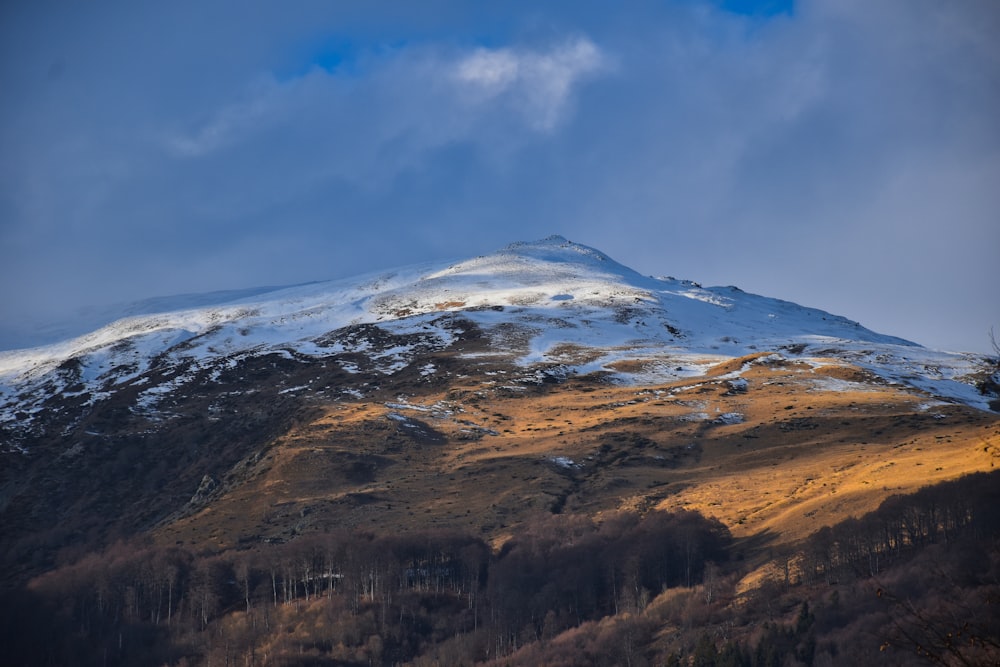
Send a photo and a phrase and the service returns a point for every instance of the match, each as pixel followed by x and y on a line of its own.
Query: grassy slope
pixel 816 445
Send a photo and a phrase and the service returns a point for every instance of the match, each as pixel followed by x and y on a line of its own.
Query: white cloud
pixel 488 72
pixel 536 84
pixel 367 127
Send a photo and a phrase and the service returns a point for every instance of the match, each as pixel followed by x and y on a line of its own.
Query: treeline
pixel 902 524
pixel 349 598
pixel 917 580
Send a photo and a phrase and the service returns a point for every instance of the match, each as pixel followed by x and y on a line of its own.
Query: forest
pixel 915 582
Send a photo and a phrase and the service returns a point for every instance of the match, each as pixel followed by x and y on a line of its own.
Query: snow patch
pixel 727 418
pixel 565 462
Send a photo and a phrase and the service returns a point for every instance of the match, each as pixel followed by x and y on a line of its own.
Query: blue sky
pixel 837 153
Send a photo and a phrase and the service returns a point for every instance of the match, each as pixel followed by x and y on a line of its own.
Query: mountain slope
pixel 542 378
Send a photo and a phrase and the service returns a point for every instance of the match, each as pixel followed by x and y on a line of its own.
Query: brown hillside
pixel 799 446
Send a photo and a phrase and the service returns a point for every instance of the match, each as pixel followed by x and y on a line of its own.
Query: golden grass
pixel 811 446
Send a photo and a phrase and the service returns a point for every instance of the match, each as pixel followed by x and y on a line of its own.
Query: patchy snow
pixel 551 302
pixel 729 418
pixel 349 367
pixel 404 405
pixel 824 383
pixel 565 462
pixel 738 384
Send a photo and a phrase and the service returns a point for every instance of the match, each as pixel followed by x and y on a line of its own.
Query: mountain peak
pixel 554 248
pixel 551 260
pixel 551 239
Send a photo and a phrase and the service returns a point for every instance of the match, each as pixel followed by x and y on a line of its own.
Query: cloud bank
pixel 843 155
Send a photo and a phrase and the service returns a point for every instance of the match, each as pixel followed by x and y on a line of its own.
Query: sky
pixel 842 154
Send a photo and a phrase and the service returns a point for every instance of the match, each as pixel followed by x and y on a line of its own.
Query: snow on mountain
pixel 549 302
pixel 15 335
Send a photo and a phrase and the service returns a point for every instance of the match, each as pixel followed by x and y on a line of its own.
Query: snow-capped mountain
pixel 554 306
pixel 176 467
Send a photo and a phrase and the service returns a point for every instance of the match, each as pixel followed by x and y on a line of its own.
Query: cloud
pixel 489 73
pixel 839 155
pixel 392 114
pixel 537 84
pixel 231 124
pixel 417 97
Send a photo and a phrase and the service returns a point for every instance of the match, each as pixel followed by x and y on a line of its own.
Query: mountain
pixel 554 304
pixel 543 382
